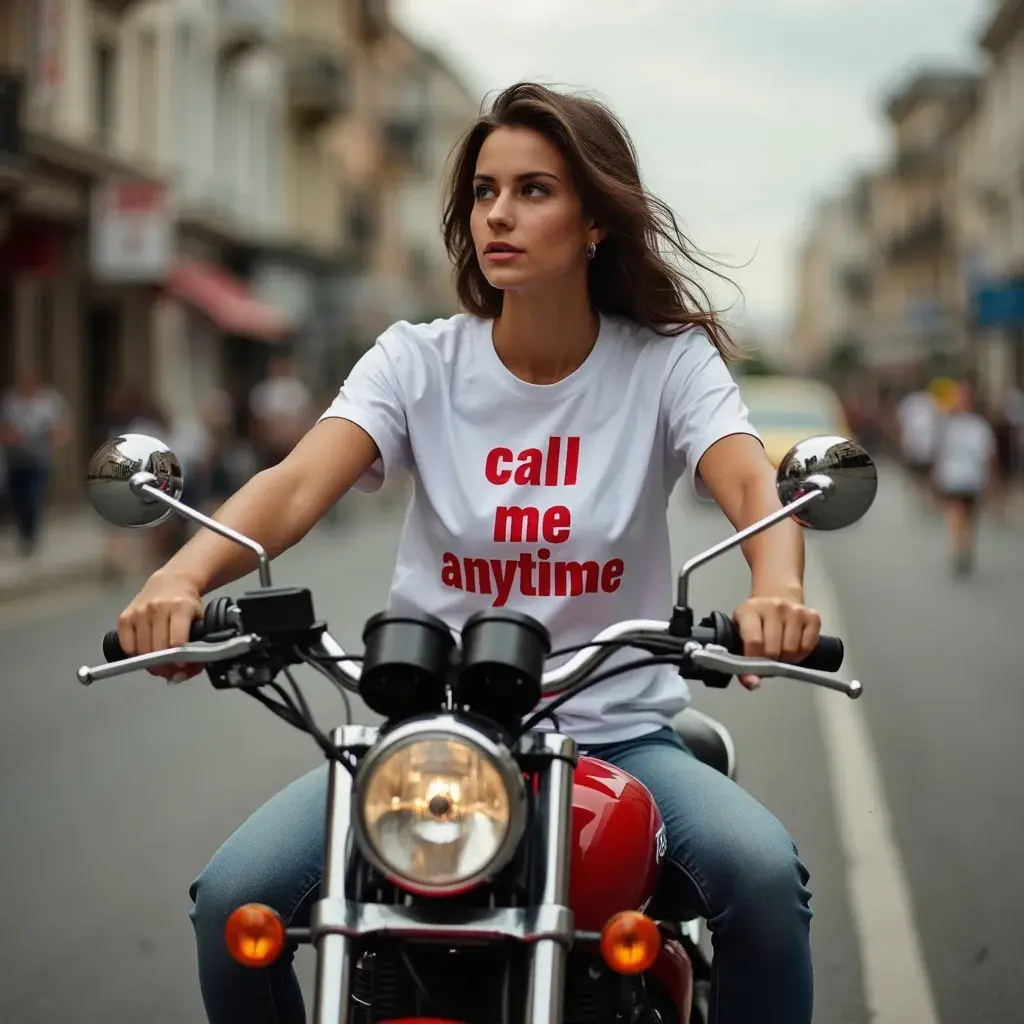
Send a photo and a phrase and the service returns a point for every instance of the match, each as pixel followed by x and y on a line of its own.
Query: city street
pixel 113 797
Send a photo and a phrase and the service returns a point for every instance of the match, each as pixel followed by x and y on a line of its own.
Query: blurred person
pixel 581 312
pixel 965 463
pixel 34 424
pixel 215 461
pixel 1013 410
pixel 1003 431
pixel 282 408
pixel 128 410
pixel 232 460
pixel 918 416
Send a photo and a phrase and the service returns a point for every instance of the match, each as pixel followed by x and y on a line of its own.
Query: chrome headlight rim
pixel 443 727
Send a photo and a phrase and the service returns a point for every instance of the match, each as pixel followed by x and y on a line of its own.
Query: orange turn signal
pixel 255 935
pixel 630 942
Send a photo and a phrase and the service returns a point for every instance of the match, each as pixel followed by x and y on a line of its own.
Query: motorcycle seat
pixel 707 739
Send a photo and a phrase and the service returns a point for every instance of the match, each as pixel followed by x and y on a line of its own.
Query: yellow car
pixel 785 410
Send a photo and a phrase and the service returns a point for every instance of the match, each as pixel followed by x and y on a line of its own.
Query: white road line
pixel 896 982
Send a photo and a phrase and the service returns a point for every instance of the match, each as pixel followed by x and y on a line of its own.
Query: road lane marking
pixel 897 988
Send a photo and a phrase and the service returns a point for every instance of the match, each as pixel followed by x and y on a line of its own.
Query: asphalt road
pixel 113 797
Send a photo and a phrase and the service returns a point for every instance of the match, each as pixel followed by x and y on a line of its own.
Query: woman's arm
pixel 773 621
pixel 279 506
pixel 740 478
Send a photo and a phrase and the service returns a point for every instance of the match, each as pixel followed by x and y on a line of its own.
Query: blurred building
pixel 879 277
pixel 989 201
pixel 432 97
pixel 186 185
pixel 419 109
pixel 834 277
pixel 945 230
pixel 917 308
pixel 222 129
pixel 79 165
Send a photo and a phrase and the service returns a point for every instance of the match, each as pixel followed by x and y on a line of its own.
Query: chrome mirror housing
pixel 837 466
pixel 112 491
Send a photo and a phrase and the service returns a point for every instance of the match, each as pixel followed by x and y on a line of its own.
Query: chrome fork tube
pixel 334 952
pixel 554 820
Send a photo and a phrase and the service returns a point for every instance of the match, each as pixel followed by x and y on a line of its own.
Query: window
pixel 105 93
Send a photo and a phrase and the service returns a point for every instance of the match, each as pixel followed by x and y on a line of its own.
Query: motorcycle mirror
pixel 840 468
pixel 109 485
pixel 135 480
pixel 832 482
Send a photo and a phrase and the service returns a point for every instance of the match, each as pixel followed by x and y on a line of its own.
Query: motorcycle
pixel 477 866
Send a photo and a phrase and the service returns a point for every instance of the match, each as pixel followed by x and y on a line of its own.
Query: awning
pixel 226 301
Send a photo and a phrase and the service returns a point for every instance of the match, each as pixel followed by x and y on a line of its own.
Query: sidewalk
pixel 72 548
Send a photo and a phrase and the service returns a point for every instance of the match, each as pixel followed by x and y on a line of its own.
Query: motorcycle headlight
pixel 440 807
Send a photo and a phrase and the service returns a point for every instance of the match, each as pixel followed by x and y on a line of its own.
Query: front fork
pixel 549 956
pixel 334 959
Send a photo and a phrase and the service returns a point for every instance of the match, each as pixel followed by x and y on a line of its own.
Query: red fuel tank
pixel 618 841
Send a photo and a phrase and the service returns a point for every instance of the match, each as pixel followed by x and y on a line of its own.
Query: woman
pixel 547 425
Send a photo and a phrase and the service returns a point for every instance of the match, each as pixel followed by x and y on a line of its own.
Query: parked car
pixel 785 410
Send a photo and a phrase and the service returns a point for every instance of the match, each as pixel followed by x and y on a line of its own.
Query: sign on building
pixel 1000 304
pixel 132 236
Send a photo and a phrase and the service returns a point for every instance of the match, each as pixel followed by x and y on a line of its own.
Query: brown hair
pixel 634 272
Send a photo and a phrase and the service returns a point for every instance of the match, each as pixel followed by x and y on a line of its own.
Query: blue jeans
pixel 727 855
pixel 26 488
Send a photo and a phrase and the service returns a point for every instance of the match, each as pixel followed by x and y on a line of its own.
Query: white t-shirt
pixel 963 459
pixel 918 416
pixel 547 499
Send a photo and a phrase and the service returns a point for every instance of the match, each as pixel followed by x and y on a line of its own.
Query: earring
pixel 591 250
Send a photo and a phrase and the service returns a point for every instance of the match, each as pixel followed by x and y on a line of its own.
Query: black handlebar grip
pixel 720 629
pixel 827 656
pixel 112 650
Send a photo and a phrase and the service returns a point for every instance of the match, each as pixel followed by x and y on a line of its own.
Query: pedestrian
pixel 966 459
pixel 1002 479
pixel 917 417
pixel 34 423
pixel 282 410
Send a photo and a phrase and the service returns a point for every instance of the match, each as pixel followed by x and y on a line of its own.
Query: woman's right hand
pixel 161 616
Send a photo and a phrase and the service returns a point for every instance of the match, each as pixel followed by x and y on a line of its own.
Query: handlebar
pixel 713 646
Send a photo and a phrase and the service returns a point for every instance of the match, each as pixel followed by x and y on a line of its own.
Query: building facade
pixel 917 308
pixel 187 185
pixel 989 203
pixel 67 81
pixel 833 288
pixel 946 224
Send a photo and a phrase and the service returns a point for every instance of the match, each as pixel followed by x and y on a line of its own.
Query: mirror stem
pixel 145 484
pixel 683 586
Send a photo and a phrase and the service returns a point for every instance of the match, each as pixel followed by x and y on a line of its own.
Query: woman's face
pixel 527 222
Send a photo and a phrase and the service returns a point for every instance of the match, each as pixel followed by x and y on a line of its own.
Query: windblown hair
pixel 643 269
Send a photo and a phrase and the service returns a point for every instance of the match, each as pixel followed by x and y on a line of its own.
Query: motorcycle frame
pixel 339 919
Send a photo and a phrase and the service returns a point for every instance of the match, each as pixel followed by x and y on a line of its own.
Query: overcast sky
pixel 744 112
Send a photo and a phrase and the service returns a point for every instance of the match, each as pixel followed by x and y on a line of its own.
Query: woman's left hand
pixel 781 628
